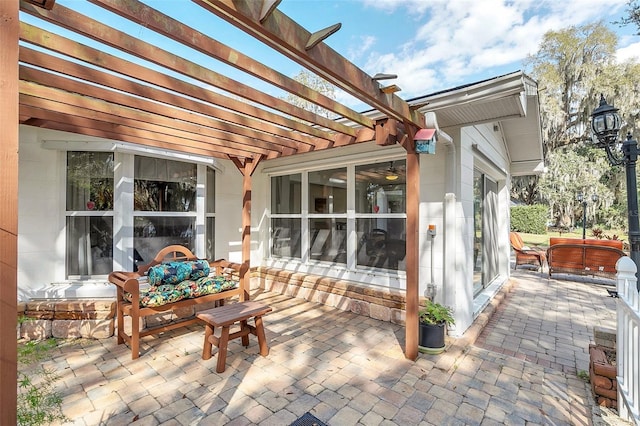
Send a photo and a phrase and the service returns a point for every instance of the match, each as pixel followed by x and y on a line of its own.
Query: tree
pixel 572 67
pixel 567 66
pixel 569 172
pixel 319 85
pixel 633 9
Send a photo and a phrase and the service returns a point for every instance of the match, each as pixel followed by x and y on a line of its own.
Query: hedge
pixel 529 219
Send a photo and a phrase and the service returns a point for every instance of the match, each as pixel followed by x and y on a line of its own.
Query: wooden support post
pixel 413 207
pixel 246 167
pixel 9 30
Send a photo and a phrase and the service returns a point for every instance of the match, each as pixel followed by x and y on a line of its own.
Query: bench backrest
pixel 516 241
pixel 174 253
pixel 589 241
pixel 589 254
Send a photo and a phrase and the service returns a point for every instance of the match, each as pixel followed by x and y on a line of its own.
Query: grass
pixel 39 403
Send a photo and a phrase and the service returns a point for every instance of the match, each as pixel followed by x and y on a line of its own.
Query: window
pixel 210 240
pixel 378 215
pixel 164 206
pixel 286 205
pixel 381 214
pixel 327 195
pixel 485 254
pixel 89 214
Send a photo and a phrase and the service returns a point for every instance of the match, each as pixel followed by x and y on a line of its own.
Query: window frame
pixel 350 217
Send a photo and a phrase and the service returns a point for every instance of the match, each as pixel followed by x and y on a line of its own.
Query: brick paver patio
pixel 346 369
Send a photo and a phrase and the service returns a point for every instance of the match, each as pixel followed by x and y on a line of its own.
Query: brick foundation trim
pixel 66 319
pixel 378 303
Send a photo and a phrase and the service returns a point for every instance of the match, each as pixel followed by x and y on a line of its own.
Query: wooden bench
pixel 226 316
pixel 584 257
pixel 130 282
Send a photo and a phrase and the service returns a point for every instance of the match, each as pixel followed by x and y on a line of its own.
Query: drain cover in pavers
pixel 308 419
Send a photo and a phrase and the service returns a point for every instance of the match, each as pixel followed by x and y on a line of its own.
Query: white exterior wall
pixel 40 225
pixel 229 213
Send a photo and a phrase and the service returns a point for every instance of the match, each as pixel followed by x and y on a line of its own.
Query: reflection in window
pixel 89 235
pixel 328 238
pixel 381 242
pixel 381 188
pixel 286 194
pixel 153 233
pixel 378 197
pixel 89 245
pixel 164 185
pixel 285 237
pixel 328 191
pixel 89 181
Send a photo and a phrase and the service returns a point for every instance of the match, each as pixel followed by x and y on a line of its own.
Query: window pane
pixel 328 240
pixel 381 187
pixel 151 234
pixel 328 191
pixel 381 242
pixel 89 245
pixel 286 194
pixel 89 181
pixel 164 185
pixel 285 235
pixel 210 238
pixel 211 190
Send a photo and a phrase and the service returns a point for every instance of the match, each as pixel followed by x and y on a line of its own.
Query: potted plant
pixel 433 318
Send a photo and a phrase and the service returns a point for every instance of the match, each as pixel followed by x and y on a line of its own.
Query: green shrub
pixel 529 219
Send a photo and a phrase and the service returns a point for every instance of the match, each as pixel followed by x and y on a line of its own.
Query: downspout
pixel 449 211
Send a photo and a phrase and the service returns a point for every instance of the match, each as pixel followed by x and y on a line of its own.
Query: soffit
pixel 510 101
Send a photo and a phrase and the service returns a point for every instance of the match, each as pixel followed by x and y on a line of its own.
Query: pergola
pixel 167 101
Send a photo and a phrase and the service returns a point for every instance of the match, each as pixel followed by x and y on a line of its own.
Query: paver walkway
pixel 348 370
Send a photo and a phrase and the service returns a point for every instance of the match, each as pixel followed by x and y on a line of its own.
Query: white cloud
pixel 458 40
pixel 629 52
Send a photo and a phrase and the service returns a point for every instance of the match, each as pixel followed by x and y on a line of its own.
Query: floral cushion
pixel 175 272
pixel 158 295
pixel 205 285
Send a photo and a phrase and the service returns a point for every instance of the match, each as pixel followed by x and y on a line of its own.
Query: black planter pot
pixel 431 338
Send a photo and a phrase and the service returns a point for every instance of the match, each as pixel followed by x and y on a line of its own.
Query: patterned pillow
pixel 158 295
pixel 175 272
pixel 205 285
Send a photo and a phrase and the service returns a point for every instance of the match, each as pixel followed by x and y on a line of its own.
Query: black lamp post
pixel 582 199
pixel 605 124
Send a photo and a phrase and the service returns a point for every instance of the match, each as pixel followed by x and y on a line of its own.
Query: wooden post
pixel 9 30
pixel 246 229
pixel 246 167
pixel 412 296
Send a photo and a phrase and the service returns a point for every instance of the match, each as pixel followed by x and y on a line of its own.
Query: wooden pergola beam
pixel 102 33
pixel 72 123
pixel 289 38
pixel 134 71
pixel 157 101
pixel 71 103
pixel 150 18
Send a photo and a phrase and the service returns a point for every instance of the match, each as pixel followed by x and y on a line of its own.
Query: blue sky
pixel 430 44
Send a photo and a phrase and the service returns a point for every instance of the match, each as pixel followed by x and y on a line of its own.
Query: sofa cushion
pixel 205 285
pixel 175 272
pixel 158 295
